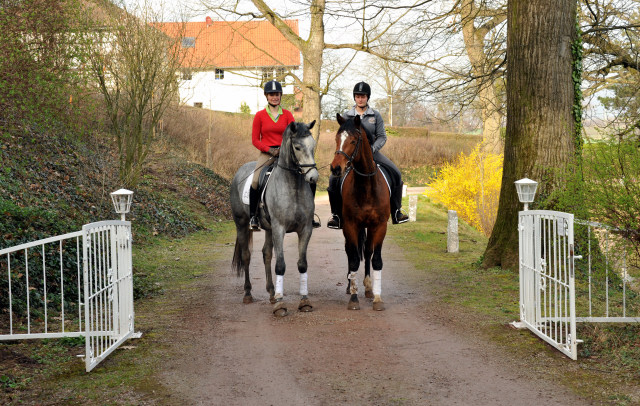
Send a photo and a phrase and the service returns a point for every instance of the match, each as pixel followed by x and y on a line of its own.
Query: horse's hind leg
pixel 267 256
pixel 242 259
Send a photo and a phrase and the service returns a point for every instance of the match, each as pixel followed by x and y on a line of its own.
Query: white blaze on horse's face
pixel 343 138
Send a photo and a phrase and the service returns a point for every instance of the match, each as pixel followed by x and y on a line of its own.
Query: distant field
pixel 416 151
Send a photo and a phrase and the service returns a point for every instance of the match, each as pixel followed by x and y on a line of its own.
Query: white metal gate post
pixel 124 276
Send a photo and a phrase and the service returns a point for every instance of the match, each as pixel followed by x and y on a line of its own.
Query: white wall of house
pixel 226 93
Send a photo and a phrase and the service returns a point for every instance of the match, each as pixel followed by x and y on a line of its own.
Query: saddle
pixel 263 179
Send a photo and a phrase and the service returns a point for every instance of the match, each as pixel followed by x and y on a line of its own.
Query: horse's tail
pixel 362 238
pixel 242 251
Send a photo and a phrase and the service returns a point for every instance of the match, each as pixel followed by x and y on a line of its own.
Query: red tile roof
pixel 238 44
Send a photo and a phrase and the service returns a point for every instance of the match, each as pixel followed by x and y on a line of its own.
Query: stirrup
pixel 400 217
pixel 316 223
pixel 254 224
pixel 334 222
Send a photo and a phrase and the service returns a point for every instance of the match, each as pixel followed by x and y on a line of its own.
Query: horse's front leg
pixel 277 231
pixel 368 251
pixel 353 258
pixel 267 256
pixel 377 237
pixel 303 242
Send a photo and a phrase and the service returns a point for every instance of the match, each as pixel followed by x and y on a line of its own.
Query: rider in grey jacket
pixel 373 125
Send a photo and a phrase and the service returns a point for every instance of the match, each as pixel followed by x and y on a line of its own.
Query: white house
pixel 228 62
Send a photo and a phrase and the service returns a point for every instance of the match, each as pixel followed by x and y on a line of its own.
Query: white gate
pixel 547 283
pixel 49 297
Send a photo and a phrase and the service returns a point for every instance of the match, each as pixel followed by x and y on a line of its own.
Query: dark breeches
pixel 394 172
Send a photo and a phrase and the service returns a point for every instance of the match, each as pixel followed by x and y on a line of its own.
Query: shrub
pixel 244 108
pixel 471 186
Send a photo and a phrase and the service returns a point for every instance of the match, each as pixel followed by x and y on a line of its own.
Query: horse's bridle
pixel 353 156
pixel 299 168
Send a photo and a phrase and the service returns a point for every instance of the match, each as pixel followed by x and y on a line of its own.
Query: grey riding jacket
pixel 373 123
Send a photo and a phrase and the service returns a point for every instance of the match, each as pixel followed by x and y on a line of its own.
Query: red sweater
pixel 266 133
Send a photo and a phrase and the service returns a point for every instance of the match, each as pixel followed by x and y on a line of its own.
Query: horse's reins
pixel 255 169
pixel 353 156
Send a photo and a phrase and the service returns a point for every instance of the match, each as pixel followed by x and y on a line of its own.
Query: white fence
pixel 76 284
pixel 552 298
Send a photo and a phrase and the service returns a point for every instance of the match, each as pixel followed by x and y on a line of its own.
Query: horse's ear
pixel 356 120
pixel 292 127
pixel 341 120
pixel 311 124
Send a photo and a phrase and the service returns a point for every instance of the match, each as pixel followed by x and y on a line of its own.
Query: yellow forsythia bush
pixel 471 187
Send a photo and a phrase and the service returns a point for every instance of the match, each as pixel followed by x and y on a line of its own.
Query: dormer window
pixel 188 42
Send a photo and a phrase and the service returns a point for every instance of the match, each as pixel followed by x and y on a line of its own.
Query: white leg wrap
pixel 279 286
pixel 303 284
pixel 377 282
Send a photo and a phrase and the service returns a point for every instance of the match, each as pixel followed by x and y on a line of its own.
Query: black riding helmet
pixel 272 86
pixel 362 88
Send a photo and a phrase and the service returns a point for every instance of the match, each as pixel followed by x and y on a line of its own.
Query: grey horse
pixel 287 207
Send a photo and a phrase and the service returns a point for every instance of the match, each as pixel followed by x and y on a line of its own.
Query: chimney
pixel 209 21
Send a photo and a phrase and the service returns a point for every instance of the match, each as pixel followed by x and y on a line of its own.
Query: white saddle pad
pixel 245 190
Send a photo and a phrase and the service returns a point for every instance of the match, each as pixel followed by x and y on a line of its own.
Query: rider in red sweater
pixel 268 126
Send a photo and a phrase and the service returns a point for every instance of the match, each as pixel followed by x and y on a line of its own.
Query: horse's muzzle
pixel 336 171
pixel 312 176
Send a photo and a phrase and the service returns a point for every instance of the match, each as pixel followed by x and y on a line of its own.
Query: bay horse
pixel 287 207
pixel 365 208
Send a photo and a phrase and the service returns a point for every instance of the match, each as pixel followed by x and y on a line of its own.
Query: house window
pixel 197 104
pixel 267 74
pixel 188 42
pixel 186 75
pixel 219 74
pixel 280 72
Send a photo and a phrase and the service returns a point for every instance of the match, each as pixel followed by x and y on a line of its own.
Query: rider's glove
pixel 274 151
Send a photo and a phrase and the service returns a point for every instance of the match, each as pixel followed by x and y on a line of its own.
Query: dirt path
pixel 235 354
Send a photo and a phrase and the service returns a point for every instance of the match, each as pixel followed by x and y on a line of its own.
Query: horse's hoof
pixel 272 299
pixel 368 294
pixel 280 310
pixel 378 306
pixel 353 305
pixel 247 299
pixel 305 306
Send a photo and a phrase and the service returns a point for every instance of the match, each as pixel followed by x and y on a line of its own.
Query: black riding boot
pixel 397 216
pixel 335 201
pixel 314 223
pixel 254 199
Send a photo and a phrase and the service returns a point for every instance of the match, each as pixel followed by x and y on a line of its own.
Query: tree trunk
pixel 312 65
pixel 540 123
